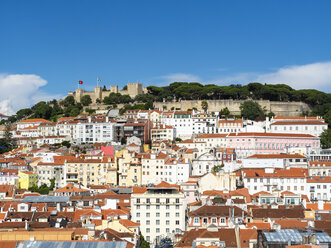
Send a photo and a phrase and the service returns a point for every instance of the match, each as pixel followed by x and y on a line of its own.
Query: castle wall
pixel 279 108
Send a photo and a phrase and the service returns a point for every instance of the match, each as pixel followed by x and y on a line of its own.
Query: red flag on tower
pixel 80 82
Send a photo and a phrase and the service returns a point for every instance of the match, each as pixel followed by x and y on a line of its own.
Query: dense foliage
pixel 251 110
pixel 43 189
pixel 319 101
pixel 326 139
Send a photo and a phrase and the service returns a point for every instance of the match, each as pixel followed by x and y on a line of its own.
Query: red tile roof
pixel 275 156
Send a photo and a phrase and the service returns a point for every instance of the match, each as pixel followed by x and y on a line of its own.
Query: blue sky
pixel 57 43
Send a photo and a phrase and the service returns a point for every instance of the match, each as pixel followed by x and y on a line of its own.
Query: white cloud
pixel 309 76
pixel 316 75
pixel 176 77
pixel 21 91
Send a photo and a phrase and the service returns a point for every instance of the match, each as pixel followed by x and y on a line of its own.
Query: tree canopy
pixel 251 110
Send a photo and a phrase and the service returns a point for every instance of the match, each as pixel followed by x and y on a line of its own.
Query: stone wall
pixel 279 108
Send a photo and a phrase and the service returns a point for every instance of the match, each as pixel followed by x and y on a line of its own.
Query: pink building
pixel 247 144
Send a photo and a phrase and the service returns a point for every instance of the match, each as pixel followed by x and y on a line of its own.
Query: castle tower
pixel 97 93
pixel 78 94
pixel 135 89
pixel 113 89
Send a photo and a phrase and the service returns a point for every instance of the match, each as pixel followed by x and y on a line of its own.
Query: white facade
pixel 91 132
pixel 160 211
pixel 273 180
pixel 204 164
pixel 48 171
pixel 319 188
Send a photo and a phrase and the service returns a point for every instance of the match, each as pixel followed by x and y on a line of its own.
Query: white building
pixel 181 120
pixel 205 163
pixel 160 211
pixel 91 132
pixel 280 161
pixel 30 123
pixel 224 181
pixel 302 125
pixel 275 180
pixel 319 188
pixel 319 168
pixel 161 167
pixel 163 132
pixel 48 171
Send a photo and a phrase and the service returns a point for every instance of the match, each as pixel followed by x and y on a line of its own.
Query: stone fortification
pixel 133 89
pixel 279 108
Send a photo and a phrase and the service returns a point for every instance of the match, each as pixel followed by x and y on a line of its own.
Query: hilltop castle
pixel 133 89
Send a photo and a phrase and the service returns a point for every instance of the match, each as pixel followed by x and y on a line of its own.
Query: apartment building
pixel 160 211
pixel 230 126
pixel 50 170
pixel 280 161
pixel 247 144
pixel 129 168
pixel 319 168
pixel 141 128
pixel 163 132
pixel 273 180
pixel 95 131
pixel 30 123
pixel 319 187
pixel 88 171
pixel 302 125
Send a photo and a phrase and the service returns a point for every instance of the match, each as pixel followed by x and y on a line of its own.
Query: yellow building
pixel 27 179
pixel 90 171
pixel 129 168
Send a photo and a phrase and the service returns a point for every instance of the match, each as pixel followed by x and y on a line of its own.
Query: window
pixel 148 222
pixel 148 214
pixel 167 214
pixel 157 214
pixel 138 214
pixel 148 230
pixel 196 220
pixel 177 200
pixel 177 214
pixel 222 220
pixel 177 206
pixel 157 222
pixel 167 222
pixel 157 230
pixel 177 222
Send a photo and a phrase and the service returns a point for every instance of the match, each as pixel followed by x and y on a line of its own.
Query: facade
pixel 273 180
pixel 160 211
pixel 319 168
pixel 319 187
pixel 218 216
pixel 281 161
pixel 248 144
pixel 92 132
pixel 225 181
pixel 48 171
pixel 205 163
pixel 27 179
pixel 88 171
pixel 163 132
